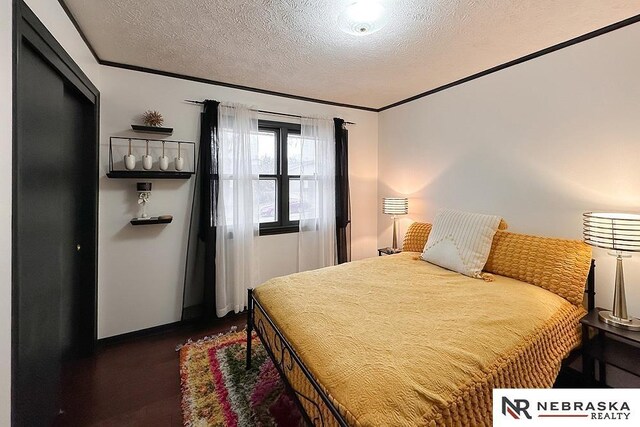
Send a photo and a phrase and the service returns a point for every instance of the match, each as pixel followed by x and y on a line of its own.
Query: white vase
pixel 179 163
pixel 130 162
pixel 163 163
pixel 147 162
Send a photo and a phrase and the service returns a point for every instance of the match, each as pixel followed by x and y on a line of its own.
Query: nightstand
pixel 609 346
pixel 388 251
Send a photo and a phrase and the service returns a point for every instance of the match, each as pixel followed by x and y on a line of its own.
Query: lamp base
pixel 631 324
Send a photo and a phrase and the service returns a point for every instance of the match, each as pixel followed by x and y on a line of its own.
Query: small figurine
pixel 144 192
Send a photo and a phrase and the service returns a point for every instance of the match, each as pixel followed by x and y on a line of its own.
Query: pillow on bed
pixel 416 236
pixel 461 241
pixel 557 265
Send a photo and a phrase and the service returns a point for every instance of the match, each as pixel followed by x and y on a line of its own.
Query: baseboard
pixel 166 328
pixel 142 333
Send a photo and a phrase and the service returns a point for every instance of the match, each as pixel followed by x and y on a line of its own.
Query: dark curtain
pixel 343 202
pixel 200 273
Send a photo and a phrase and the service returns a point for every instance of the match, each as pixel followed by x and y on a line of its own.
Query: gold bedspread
pixel 400 342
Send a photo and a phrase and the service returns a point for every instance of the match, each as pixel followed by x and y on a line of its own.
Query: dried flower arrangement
pixel 152 118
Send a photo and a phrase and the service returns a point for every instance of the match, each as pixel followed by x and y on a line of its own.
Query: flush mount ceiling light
pixel 362 18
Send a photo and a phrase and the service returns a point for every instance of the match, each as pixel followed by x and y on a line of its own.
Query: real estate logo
pixel 516 409
pixel 566 407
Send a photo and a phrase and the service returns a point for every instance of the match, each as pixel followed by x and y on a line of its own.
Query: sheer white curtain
pixel 317 237
pixel 237 215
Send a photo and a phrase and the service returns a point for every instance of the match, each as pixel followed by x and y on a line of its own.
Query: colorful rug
pixel 217 390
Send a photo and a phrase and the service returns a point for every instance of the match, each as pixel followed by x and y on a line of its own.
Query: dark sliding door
pixel 38 232
pixel 55 222
pixel 78 224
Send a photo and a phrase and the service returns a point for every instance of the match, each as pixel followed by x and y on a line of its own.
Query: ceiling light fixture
pixel 362 18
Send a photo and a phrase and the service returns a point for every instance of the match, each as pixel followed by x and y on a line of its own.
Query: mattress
pixel 398 341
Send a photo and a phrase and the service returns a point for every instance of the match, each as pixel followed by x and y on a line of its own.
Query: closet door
pixel 38 229
pixel 54 222
pixel 78 245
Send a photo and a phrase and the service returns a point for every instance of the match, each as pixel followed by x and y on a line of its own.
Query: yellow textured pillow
pixel 416 237
pixel 418 233
pixel 557 265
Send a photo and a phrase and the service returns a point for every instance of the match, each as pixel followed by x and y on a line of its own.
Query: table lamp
pixel 620 233
pixel 395 206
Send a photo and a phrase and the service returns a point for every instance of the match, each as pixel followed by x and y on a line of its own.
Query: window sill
pixel 270 231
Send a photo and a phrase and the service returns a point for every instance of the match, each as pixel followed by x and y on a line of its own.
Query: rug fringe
pixel 209 338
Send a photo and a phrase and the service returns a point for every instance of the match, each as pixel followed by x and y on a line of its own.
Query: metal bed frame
pixel 286 360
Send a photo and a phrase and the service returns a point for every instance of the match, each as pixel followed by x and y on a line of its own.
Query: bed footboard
pixel 315 405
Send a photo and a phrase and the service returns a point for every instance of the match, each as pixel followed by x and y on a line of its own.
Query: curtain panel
pixel 317 234
pixel 198 294
pixel 237 213
pixel 221 253
pixel 343 198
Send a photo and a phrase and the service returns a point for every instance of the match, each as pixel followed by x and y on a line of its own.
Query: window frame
pixel 282 225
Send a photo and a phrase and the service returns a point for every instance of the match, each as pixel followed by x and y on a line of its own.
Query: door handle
pixel 78 247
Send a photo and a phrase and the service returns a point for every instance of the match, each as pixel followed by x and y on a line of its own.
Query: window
pixel 279 154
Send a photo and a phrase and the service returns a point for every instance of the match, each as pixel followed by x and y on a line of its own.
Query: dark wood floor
pixel 137 382
pixel 133 383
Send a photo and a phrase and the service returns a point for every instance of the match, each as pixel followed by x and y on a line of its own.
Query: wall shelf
pixel 173 151
pixel 152 220
pixel 149 174
pixel 152 129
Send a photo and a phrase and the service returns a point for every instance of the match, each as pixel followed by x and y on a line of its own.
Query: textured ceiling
pixel 296 46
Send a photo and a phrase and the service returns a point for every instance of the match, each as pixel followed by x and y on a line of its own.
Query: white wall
pixel 141 269
pixel 6 149
pixel 538 143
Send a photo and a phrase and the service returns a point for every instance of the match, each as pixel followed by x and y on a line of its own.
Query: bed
pixel 397 341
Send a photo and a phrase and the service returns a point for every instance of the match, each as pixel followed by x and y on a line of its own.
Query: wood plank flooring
pixel 133 383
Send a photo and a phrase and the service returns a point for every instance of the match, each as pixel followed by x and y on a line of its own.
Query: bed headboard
pixel 560 266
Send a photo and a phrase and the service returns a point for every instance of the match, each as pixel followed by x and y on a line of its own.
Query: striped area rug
pixel 217 390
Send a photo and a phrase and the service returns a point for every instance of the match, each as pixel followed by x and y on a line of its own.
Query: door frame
pixel 27 27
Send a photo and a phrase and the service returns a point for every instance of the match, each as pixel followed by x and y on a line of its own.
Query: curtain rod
pixel 265 112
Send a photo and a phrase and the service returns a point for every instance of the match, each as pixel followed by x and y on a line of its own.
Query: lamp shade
pixel 615 231
pixel 395 205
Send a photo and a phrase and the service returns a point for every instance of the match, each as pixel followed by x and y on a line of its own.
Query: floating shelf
pixel 120 146
pixel 149 174
pixel 151 220
pixel 152 129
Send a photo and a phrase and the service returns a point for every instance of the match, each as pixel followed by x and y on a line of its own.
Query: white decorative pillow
pixel 461 241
